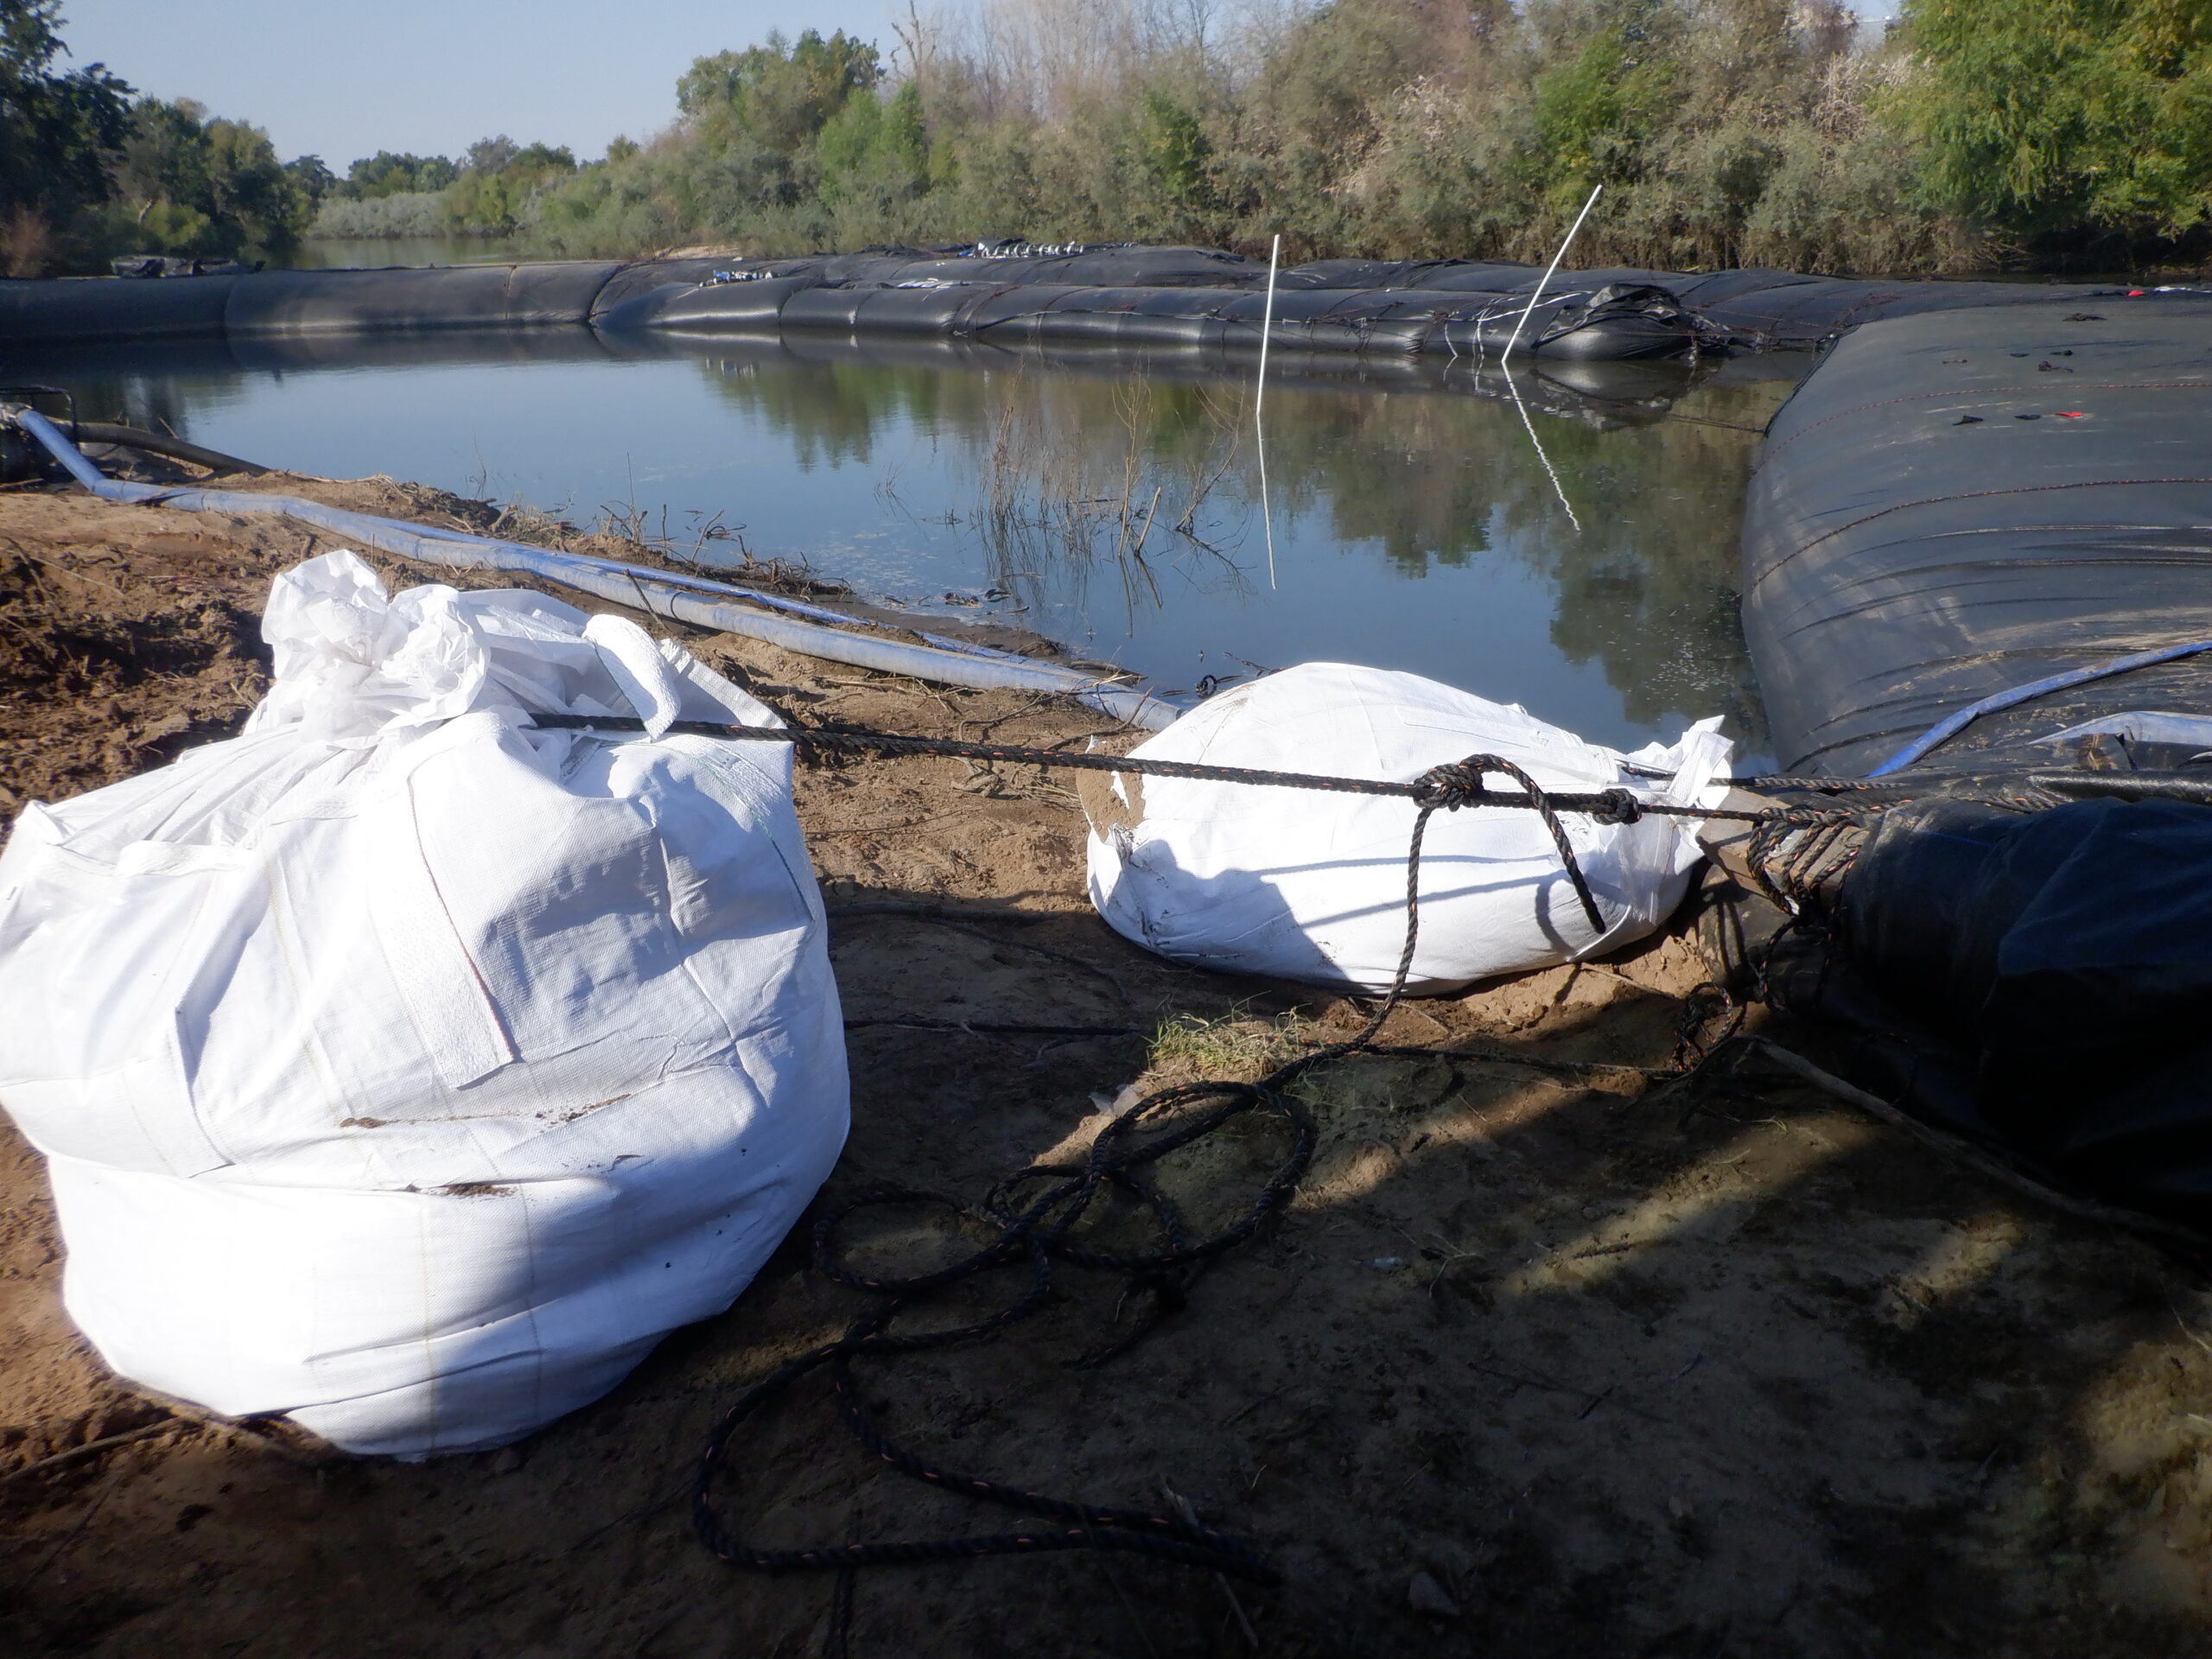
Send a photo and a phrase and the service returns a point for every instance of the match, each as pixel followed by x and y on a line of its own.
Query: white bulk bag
pixel 1310 886
pixel 404 1068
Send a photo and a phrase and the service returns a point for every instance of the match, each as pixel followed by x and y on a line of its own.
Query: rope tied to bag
pixel 1459 783
pixel 1454 786
pixel 1046 1233
pixel 1046 1217
pixel 1450 787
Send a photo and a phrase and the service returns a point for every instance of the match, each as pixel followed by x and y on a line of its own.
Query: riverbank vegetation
pixel 87 171
pixel 1782 132
pixel 2060 133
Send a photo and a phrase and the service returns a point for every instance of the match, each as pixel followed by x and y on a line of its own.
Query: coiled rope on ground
pixel 1045 1231
pixel 1044 1215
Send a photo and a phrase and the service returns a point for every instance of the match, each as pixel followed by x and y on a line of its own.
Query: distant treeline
pixel 1782 133
pixel 87 171
pixel 492 191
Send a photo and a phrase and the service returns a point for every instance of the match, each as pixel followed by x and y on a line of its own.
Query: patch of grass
pixel 1235 1046
pixel 1239 1046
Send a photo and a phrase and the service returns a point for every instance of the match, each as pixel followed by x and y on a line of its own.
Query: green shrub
pixel 408 213
pixel 2054 116
pixel 179 182
pixel 1727 131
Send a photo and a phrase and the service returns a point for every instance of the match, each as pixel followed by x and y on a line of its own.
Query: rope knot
pixel 1455 784
pixel 1617 806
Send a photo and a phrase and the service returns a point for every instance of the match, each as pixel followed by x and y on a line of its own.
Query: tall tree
pixel 390 173
pixel 54 125
pixel 778 95
pixel 187 184
pixel 2048 115
pixel 492 192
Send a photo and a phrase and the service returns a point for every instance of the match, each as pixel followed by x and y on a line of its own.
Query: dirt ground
pixel 1542 1360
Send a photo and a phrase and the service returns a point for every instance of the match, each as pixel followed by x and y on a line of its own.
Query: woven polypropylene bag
pixel 407 1069
pixel 1311 887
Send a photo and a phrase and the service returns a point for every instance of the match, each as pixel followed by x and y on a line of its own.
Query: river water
pixel 1572 553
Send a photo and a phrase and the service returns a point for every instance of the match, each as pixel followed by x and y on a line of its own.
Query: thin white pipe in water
pixel 1266 327
pixel 1551 270
pixel 1558 488
pixel 1259 402
pixel 661 593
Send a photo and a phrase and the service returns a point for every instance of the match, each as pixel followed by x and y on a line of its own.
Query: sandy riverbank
pixel 1600 1373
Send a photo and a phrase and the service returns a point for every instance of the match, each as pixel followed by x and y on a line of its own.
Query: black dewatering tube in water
pixel 1974 548
pixel 1147 298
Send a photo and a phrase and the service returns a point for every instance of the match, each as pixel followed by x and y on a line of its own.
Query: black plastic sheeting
pixel 753 307
pixel 1956 504
pixel 84 310
pixel 2040 983
pixel 1153 297
pixel 377 301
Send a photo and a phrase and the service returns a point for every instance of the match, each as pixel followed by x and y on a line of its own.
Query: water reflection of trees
pixel 156 403
pixel 1059 465
pixel 835 413
pixel 1644 567
pixel 1052 469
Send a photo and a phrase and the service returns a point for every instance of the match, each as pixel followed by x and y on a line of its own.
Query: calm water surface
pixel 1577 556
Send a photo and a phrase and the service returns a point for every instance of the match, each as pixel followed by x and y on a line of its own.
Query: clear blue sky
pixel 341 79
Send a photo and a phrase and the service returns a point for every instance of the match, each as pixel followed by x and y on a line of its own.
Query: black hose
pixel 160 443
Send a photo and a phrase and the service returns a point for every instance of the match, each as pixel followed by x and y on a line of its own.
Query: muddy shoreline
pixel 1542 1360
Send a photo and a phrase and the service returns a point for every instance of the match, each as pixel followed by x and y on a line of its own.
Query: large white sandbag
pixel 1310 886
pixel 406 1068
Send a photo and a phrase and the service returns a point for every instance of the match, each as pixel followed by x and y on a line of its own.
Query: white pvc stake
pixel 1549 271
pixel 1259 402
pixel 1266 324
pixel 1505 358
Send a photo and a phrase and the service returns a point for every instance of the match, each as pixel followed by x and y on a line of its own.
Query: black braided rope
pixel 1785 873
pixel 1045 1231
pixel 1457 784
pixel 1460 784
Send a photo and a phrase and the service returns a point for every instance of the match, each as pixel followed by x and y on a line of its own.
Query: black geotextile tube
pixel 1385 320
pixel 2042 983
pixel 1775 306
pixel 633 282
pixel 718 307
pixel 67 311
pixel 1958 503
